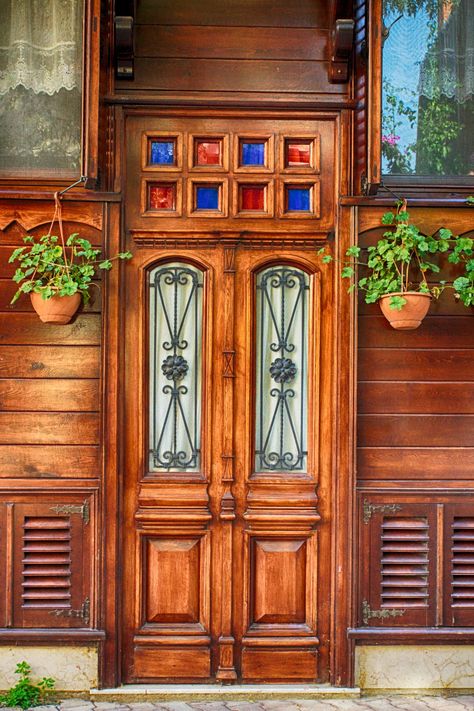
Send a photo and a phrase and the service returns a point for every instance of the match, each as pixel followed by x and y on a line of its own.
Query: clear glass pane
pixel 281 369
pixel 40 86
pixel 175 367
pixel 428 88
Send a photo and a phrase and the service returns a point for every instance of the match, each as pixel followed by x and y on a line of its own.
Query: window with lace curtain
pixel 428 88
pixel 40 87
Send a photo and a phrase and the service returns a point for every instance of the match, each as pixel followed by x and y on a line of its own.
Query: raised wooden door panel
pixel 49 564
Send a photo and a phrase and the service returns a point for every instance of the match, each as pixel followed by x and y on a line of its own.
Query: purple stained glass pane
pixel 299 199
pixel 162 153
pixel 253 153
pixel 207 198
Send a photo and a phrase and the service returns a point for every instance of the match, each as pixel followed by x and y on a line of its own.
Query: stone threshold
pixel 219 692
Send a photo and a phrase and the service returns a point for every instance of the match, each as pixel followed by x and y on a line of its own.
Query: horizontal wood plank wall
pixel 49 375
pixel 415 460
pixel 50 445
pixel 415 396
pixel 265 50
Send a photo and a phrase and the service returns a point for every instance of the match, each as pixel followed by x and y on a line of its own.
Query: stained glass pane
pixel 281 369
pixel 208 153
pixel 175 367
pixel 162 196
pixel 252 153
pixel 298 199
pixel 428 88
pixel 163 153
pixel 252 197
pixel 207 198
pixel 298 154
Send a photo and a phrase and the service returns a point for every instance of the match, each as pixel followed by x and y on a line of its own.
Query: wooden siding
pixel 415 390
pixel 415 459
pixel 50 461
pixel 262 50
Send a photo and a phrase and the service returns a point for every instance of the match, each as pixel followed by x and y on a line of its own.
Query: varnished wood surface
pixel 50 436
pixel 256 50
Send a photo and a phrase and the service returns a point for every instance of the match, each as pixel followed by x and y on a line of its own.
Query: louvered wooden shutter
pixel 459 565
pixel 51 573
pixel 398 586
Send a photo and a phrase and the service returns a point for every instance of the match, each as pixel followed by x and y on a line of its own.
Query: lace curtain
pixel 40 86
pixel 448 67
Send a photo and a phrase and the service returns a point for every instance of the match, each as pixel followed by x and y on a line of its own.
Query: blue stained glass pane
pixel 253 154
pixel 299 199
pixel 162 153
pixel 207 198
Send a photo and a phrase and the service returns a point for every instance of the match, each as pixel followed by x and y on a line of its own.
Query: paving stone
pixel 209 706
pixel 73 703
pixel 176 706
pixel 144 706
pixel 46 707
pixel 244 705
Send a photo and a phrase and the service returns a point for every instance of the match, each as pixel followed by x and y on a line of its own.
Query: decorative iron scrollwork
pixel 175 325
pixel 282 294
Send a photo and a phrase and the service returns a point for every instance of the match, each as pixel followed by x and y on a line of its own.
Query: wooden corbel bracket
pixel 342 41
pixel 124 50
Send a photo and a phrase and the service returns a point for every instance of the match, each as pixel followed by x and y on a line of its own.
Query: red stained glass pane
pixel 208 153
pixel 162 197
pixel 298 153
pixel 252 197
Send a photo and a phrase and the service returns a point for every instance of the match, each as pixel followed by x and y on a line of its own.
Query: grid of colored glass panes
pixel 298 153
pixel 298 198
pixel 162 196
pixel 252 197
pixel 207 197
pixel 162 152
pixel 208 152
pixel 252 153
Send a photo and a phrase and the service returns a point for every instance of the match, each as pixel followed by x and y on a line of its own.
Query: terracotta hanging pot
pixel 57 309
pixel 411 314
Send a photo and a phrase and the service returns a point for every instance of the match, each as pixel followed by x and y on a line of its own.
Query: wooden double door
pixel 228 440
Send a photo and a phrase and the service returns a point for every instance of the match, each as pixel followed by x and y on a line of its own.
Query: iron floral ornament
pixel 175 367
pixel 283 370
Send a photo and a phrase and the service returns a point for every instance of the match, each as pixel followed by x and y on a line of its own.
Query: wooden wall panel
pixel 248 50
pixel 415 393
pixel 415 440
pixel 50 441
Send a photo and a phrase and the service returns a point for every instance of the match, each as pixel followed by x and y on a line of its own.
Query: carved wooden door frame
pixel 339 604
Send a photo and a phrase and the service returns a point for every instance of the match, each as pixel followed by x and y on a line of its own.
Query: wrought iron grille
pixel 281 377
pixel 175 367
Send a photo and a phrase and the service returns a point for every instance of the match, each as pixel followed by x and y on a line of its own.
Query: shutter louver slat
pixel 462 562
pixel 404 562
pixel 46 562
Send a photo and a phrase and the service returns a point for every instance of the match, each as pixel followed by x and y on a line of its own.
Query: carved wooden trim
pixel 226 669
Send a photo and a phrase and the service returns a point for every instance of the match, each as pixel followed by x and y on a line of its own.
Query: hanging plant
pixel 58 273
pixel 397 267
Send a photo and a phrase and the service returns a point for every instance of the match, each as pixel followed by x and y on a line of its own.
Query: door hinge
pixel 368 613
pixel 67 509
pixel 369 509
pixel 83 614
